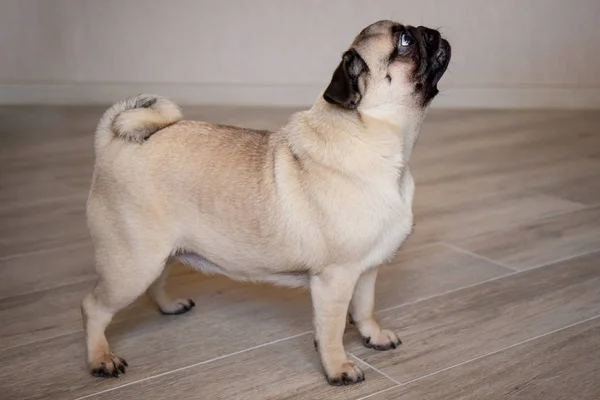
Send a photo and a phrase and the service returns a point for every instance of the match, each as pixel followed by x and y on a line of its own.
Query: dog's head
pixel 390 66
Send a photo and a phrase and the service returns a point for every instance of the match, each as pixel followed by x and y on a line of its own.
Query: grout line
pixel 47 250
pixel 577 207
pixel 475 255
pixel 76 195
pixel 41 340
pixel 582 254
pixel 83 280
pixel 381 391
pixel 193 365
pixel 500 350
pixel 93 276
pixel 409 303
pixel 374 369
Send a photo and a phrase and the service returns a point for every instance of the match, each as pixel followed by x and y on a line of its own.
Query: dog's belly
pixel 285 278
pixel 279 269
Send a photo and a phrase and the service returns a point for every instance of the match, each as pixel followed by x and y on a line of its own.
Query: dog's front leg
pixel 331 292
pixel 362 314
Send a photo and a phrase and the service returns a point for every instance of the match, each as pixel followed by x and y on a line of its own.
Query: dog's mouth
pixel 440 60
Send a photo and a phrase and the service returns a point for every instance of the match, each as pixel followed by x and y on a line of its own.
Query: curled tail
pixel 135 119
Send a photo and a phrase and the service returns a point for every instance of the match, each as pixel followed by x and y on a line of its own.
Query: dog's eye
pixel 406 40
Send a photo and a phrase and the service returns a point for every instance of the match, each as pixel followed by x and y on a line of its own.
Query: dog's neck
pixel 404 125
pixel 404 120
pixel 352 141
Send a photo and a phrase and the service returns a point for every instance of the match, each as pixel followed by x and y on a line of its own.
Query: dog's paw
pixel 109 366
pixel 347 374
pixel 176 307
pixel 384 340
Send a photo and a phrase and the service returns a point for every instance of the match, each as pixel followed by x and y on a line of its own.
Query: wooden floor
pixel 496 295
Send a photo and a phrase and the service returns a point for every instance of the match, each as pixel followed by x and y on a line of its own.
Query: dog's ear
pixel 343 89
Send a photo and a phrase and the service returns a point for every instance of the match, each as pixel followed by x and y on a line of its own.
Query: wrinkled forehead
pixel 376 40
pixel 376 29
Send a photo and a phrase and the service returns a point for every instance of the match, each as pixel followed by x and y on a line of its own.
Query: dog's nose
pixel 430 35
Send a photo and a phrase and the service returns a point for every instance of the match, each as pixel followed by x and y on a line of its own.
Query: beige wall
pixel 283 51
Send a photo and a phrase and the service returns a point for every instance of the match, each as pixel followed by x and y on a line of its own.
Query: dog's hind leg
pixel 125 273
pixel 165 303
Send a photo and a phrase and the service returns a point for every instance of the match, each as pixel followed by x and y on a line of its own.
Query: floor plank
pixel 540 242
pixel 562 365
pixel 454 328
pixel 427 271
pixel 42 226
pixel 445 192
pixel 46 269
pixel 483 215
pixel 582 189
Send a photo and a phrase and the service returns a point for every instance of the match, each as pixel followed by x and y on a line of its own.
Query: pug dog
pixel 321 202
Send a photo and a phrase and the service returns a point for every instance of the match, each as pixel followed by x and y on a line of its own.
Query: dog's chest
pixel 372 222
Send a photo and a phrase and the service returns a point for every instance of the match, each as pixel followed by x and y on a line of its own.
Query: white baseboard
pixel 519 98
pixel 185 94
pixel 273 95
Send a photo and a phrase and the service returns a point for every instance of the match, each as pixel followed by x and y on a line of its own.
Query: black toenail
pixel 335 381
